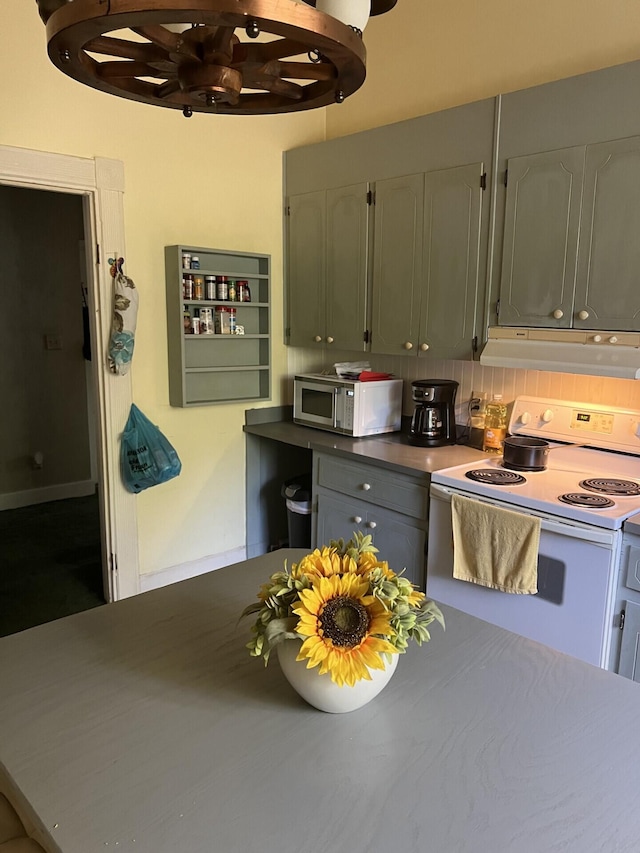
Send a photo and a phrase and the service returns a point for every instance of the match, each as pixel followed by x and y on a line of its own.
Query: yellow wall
pixel 427 55
pixel 217 182
pixel 204 181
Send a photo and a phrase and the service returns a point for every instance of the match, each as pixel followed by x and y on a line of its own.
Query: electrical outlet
pixel 52 342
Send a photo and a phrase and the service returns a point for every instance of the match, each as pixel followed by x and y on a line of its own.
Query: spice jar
pixel 195 263
pixel 210 287
pixel 187 287
pixel 222 288
pixel 198 287
pixel 232 291
pixel 186 261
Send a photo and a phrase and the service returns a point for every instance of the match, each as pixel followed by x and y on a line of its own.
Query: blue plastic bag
pixel 147 458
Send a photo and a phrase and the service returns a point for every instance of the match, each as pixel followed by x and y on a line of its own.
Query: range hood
pixel 564 351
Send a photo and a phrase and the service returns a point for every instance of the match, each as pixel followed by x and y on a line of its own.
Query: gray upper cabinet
pixel 608 285
pixel 542 218
pixel 565 249
pixel 421 248
pixel 327 269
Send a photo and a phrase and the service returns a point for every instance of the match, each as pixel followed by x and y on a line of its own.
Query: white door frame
pixel 100 181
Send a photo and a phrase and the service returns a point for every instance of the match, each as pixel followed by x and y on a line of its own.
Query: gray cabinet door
pixel 628 665
pixel 306 270
pixel 542 219
pixel 453 204
pixel 346 267
pixel 397 264
pixel 608 285
pixel 399 542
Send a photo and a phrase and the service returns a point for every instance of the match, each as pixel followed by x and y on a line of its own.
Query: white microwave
pixel 347 406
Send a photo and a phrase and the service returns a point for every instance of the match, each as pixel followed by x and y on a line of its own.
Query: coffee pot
pixel 433 422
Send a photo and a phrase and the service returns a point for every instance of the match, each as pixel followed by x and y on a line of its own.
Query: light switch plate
pixel 52 342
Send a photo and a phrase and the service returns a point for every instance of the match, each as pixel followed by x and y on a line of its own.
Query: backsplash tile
pixel 474 377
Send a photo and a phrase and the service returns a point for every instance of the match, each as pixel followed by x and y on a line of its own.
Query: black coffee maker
pixel 433 422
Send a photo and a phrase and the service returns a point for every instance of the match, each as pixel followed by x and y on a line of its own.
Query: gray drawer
pixel 374 485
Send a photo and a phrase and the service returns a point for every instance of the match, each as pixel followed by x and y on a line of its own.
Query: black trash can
pixel 297 495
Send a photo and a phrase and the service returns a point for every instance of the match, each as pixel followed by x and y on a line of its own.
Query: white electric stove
pixel 583 497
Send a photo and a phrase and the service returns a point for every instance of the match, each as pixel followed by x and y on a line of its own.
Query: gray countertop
pixel 390 450
pixel 144 726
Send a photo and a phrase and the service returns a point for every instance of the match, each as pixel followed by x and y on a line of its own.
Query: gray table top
pixel 145 727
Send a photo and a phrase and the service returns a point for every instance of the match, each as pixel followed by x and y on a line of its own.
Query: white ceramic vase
pixel 320 691
pixel 353 13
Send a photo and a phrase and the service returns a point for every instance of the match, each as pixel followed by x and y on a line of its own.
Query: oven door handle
pixel 564 528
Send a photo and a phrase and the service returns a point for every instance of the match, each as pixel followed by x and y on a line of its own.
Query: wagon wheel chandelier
pixel 234 57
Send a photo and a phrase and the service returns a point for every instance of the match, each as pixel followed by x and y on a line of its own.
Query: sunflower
pixel 342 624
pixel 325 563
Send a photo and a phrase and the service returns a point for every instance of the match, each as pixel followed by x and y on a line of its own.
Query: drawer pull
pixel 357 519
pixel 371 524
pixel 366 487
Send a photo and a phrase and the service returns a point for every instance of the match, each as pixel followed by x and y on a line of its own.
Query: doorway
pixel 99 184
pixel 50 543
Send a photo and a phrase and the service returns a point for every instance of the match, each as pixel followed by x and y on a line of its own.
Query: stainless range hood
pixel 597 353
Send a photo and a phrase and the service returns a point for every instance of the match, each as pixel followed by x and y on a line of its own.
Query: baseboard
pixel 29 497
pixel 164 577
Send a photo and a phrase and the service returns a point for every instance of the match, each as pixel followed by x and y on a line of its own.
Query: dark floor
pixel 50 562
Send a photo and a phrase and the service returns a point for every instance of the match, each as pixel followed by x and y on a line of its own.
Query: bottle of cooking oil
pixel 495 425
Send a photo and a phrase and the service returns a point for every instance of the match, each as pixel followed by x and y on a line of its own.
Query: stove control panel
pixel 606 427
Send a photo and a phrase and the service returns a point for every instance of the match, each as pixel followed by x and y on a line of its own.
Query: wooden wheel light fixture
pixel 235 57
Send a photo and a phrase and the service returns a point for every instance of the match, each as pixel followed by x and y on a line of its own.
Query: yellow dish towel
pixel 495 547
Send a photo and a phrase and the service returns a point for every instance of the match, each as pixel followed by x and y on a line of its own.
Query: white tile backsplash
pixel 472 376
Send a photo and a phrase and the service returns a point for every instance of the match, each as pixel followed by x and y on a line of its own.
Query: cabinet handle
pixel 366 487
pixel 318 339
pixel 613 339
pixel 329 340
pixel 583 315
pixel 597 338
pixel 408 345
pixel 424 347
pixel 558 313
pixel 371 524
pixel 357 519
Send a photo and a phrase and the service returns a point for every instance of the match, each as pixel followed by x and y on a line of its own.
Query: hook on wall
pixel 116 265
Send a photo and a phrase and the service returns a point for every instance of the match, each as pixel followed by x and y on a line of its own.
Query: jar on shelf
pixel 195 323
pixel 186 261
pixel 195 262
pixel 198 287
pixel 232 321
pixel 222 323
pixel 232 293
pixel 222 288
pixel 187 287
pixel 210 287
pixel 186 321
pixel 244 293
pixel 206 321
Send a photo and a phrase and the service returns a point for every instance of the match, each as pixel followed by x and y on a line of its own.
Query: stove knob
pixel 525 417
pixel 613 339
pixel 597 338
pixel 547 416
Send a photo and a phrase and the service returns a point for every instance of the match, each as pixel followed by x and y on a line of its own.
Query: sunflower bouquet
pixel 351 611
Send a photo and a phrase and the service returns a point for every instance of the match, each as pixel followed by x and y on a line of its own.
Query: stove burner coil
pixel 620 488
pixel 495 478
pixel 587 500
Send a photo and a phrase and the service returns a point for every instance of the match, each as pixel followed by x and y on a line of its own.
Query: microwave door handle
pixel 336 391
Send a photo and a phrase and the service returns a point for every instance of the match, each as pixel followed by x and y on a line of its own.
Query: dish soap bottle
pixel 495 425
